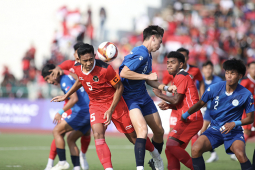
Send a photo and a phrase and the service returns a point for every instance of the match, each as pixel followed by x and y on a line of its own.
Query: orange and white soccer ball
pixel 107 51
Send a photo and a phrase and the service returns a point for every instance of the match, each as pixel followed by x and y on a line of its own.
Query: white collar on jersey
pixel 228 94
pixel 249 77
pixel 90 70
pixel 181 70
pixel 187 69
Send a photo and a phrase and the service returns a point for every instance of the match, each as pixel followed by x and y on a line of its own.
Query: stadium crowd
pixel 215 31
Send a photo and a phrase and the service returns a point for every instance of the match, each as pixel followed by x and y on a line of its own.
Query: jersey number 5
pixel 89 85
pixel 92 117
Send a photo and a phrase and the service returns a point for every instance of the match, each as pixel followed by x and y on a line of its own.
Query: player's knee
pixel 70 140
pixel 98 135
pixel 241 156
pixel 195 151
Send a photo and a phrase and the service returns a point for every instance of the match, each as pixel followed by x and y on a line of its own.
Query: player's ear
pixel 181 65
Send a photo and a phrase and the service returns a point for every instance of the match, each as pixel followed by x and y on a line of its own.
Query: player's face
pixel 87 61
pixel 156 41
pixel 207 71
pixel 252 70
pixel 232 77
pixel 49 79
pixel 76 57
pixel 173 66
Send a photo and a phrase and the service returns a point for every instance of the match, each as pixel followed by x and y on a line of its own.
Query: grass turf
pixel 30 152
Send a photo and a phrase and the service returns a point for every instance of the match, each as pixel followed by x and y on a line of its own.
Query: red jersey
pixel 99 82
pixel 186 86
pixel 193 71
pixel 249 83
pixel 68 65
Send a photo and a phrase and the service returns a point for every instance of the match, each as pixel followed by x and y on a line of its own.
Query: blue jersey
pixel 66 82
pixel 139 61
pixel 227 107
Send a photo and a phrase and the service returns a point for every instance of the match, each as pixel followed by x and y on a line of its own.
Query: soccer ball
pixel 107 51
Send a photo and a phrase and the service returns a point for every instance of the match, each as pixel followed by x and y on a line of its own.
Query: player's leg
pixel 238 148
pixel 58 132
pixel 52 155
pixel 85 141
pixel 246 128
pixel 103 151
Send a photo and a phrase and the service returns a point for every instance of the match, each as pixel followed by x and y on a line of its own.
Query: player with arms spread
pixel 105 89
pixel 228 100
pixel 182 100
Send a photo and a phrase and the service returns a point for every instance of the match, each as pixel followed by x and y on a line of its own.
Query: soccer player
pixel 135 70
pixel 66 67
pixel 195 75
pixel 209 79
pixel 105 89
pixel 182 100
pixel 249 83
pixel 77 121
pixel 228 100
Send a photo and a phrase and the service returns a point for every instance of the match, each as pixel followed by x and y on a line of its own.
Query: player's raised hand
pixel 55 72
pixel 227 127
pixel 157 92
pixel 57 118
pixel 152 76
pixel 163 105
pixel 172 89
pixel 58 98
pixel 108 117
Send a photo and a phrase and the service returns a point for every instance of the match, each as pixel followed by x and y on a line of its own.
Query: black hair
pixel 234 64
pixel 253 62
pixel 183 50
pixel 152 30
pixel 174 54
pixel 207 63
pixel 85 49
pixel 46 68
pixel 77 45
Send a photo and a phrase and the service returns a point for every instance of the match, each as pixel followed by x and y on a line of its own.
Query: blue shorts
pixel 207 116
pixel 216 138
pixel 144 103
pixel 79 120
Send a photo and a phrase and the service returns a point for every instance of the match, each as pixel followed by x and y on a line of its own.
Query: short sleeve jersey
pixel 68 65
pixel 249 83
pixel 140 61
pixel 66 82
pixel 227 107
pixel 99 82
pixel 193 71
pixel 186 86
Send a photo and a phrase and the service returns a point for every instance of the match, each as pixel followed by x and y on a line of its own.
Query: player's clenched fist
pixel 163 105
pixel 58 98
pixel 172 89
pixel 152 76
pixel 227 127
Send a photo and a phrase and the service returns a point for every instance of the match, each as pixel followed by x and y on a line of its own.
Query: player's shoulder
pixel 181 75
pixel 66 79
pixel 192 67
pixel 139 51
pixel 244 90
pixel 102 64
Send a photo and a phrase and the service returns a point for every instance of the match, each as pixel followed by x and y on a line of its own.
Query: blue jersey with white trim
pixel 139 61
pixel 66 82
pixel 227 107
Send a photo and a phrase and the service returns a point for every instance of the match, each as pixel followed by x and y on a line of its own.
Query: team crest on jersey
pixel 191 76
pixel 235 102
pixel 251 96
pixel 95 79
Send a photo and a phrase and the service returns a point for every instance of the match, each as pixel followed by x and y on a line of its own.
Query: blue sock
pixel 198 163
pixel 75 160
pixel 246 165
pixel 61 154
pixel 158 146
pixel 140 151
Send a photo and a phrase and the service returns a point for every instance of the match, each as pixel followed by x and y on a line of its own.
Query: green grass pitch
pixel 30 152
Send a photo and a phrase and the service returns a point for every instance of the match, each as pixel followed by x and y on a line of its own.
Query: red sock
pixel 172 162
pixel 53 150
pixel 174 148
pixel 149 146
pixel 85 141
pixel 103 153
pixel 193 139
pixel 245 137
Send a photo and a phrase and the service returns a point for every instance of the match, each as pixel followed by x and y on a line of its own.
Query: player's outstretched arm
pixel 73 89
pixel 177 98
pixel 131 75
pixel 56 71
pixel 201 88
pixel 196 107
pixel 157 85
pixel 164 106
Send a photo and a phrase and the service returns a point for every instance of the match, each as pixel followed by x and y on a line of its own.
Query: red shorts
pixel 247 127
pixel 174 117
pixel 184 131
pixel 120 116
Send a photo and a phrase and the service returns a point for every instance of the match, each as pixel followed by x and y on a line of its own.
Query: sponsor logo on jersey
pixel 241 137
pixel 63 84
pixel 217 98
pixel 95 79
pixel 251 96
pixel 235 102
pixel 141 58
pixel 72 70
pixel 128 127
pixel 175 131
pixel 67 88
pixel 208 89
pixel 81 78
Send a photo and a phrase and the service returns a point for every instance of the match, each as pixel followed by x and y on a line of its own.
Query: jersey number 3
pixel 89 85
